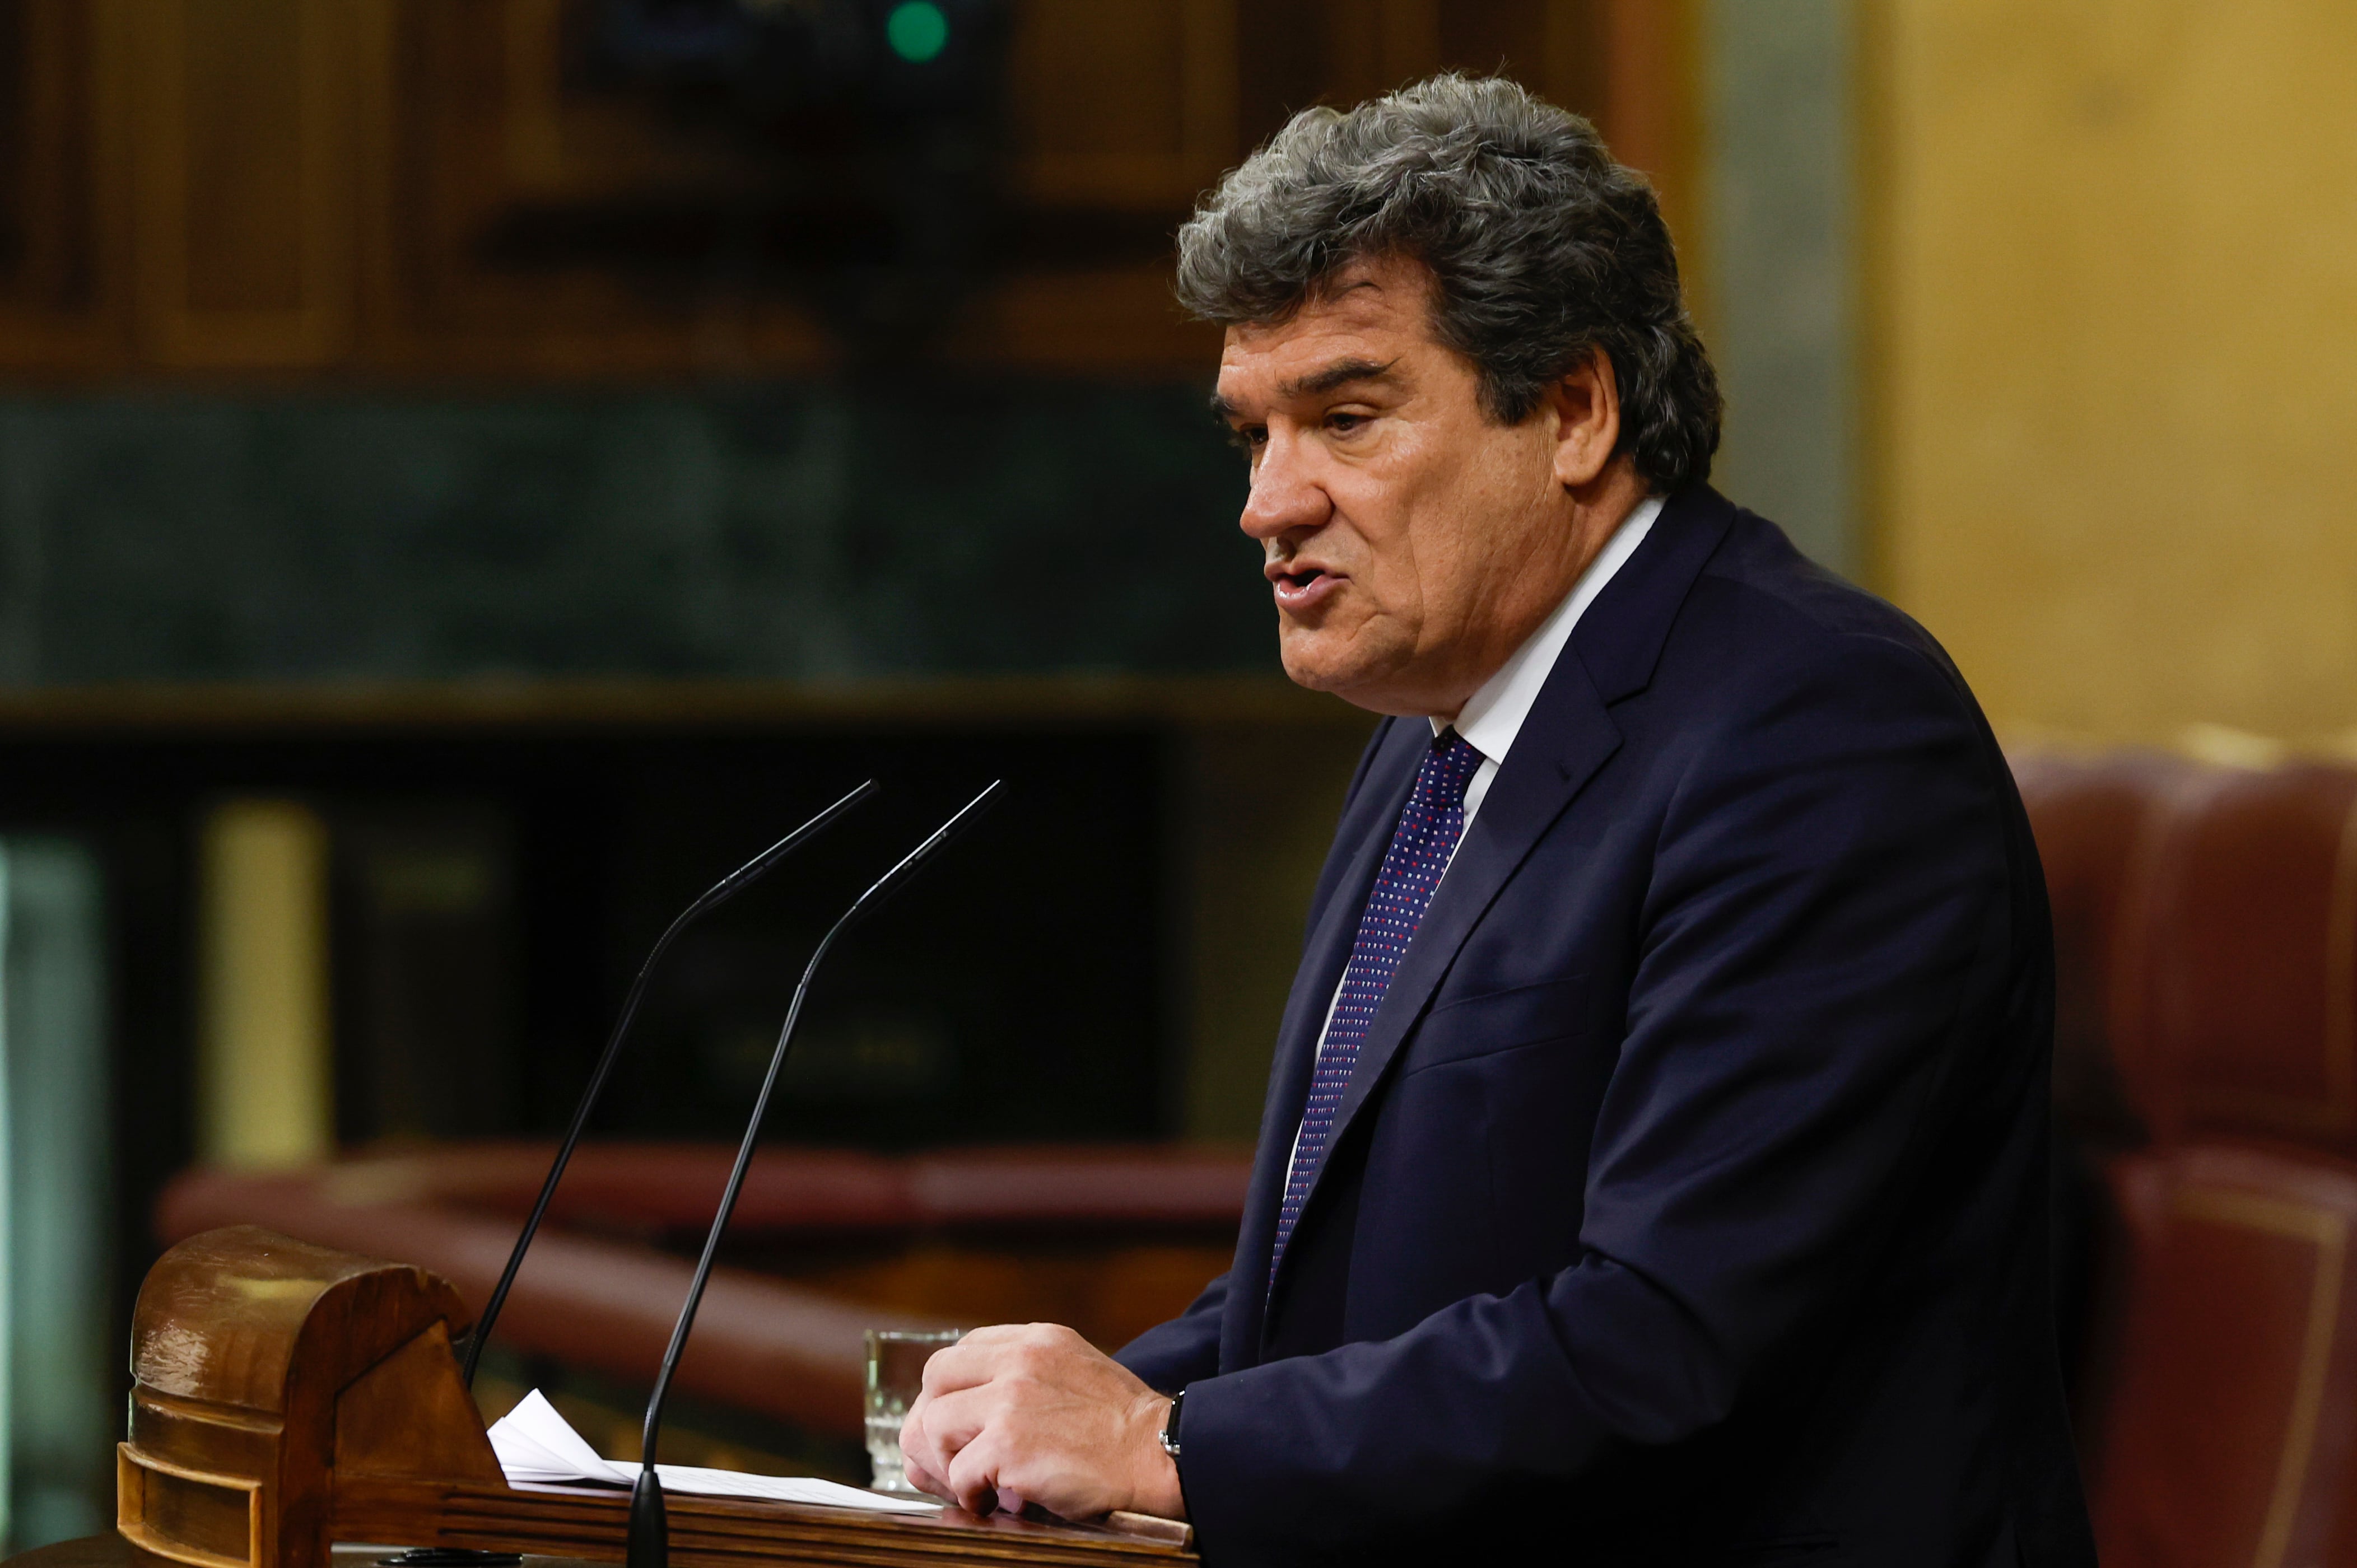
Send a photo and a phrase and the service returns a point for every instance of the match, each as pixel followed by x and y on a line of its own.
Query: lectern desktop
pixel 286 1397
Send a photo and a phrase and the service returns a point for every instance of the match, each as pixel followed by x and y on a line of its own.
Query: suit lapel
pixel 1359 840
pixel 1569 736
pixel 1359 845
pixel 1550 763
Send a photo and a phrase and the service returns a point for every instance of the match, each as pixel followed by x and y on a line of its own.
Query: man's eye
pixel 1248 438
pixel 1345 424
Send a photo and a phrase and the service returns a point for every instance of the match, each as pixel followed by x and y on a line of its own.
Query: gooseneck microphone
pixel 720 892
pixel 650 1536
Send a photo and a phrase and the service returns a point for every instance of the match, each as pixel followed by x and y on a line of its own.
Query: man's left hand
pixel 1036 1412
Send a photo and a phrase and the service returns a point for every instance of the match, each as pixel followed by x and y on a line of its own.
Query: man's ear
pixel 1586 406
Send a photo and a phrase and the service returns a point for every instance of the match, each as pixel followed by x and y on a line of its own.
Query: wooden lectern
pixel 288 1397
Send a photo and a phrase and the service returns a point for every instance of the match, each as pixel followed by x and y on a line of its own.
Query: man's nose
pixel 1284 495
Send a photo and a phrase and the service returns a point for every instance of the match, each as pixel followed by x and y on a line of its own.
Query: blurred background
pixel 474 471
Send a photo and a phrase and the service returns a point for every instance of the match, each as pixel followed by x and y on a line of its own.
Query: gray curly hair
pixel 1542 250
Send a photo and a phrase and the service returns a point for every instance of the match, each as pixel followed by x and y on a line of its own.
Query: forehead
pixel 1373 312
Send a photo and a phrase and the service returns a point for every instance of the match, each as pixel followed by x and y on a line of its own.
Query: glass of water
pixel 896 1374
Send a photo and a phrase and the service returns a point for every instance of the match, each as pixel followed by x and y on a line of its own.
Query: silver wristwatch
pixel 1170 1425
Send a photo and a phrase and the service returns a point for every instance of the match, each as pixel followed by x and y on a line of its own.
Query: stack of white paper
pixel 535 1443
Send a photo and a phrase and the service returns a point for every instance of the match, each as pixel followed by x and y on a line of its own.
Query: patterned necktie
pixel 1420 849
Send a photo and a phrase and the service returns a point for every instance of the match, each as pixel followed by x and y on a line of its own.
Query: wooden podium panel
pixel 286 1397
pixel 725 1532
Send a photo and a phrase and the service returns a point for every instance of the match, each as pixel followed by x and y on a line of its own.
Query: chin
pixel 1314 663
pixel 1308 675
pixel 1307 664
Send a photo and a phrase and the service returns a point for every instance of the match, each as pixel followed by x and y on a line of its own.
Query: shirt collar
pixel 1493 715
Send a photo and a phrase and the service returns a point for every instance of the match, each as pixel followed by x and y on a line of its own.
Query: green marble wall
pixel 1778 254
pixel 775 531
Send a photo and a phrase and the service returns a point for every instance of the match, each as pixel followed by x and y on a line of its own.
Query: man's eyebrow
pixel 1341 373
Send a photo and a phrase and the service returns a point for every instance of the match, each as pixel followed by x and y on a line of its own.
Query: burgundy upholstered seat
pixel 2232 1429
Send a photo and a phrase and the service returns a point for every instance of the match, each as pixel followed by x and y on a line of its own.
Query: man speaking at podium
pixel 1654 1160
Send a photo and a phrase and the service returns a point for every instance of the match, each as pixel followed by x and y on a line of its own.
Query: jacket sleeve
pixel 1174 1354
pixel 1826 922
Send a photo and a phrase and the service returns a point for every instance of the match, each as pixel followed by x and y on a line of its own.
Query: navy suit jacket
pixel 1688 1200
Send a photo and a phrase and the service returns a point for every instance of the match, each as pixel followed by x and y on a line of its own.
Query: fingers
pixel 921 1453
pixel 1031 1410
pixel 997 1333
pixel 974 1359
pixel 937 1430
pixel 924 1480
pixel 955 1368
pixel 952 1421
pixel 982 1351
pixel 974 1475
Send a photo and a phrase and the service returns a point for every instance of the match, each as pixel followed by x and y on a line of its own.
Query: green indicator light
pixel 917 31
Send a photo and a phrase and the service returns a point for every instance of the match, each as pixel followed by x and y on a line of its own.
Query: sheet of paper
pixel 535 1443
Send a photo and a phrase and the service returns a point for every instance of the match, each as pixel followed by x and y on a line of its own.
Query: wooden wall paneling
pixel 244 173
pixel 1650 109
pixel 1280 66
pixel 1113 110
pixel 450 143
pixel 559 143
pixel 59 268
pixel 1627 65
pixel 1294 53
pixel 487 133
pixel 377 114
pixel 1575 68
pixel 1208 69
pixel 44 237
pixel 532 75
pixel 1122 106
pixel 430 187
pixel 1372 47
pixel 1505 36
pixel 1634 68
pixel 1105 321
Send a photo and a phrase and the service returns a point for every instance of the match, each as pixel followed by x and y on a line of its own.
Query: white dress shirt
pixel 1493 716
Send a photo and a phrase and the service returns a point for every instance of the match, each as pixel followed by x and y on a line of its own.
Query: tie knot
pixel 1448 768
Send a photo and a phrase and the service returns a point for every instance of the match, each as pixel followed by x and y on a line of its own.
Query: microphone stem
pixel 719 893
pixel 727 1206
pixel 649 1433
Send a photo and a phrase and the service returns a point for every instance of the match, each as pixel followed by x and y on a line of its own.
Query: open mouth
pixel 1301 591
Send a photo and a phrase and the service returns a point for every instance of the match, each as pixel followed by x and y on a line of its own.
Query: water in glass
pixel 896 1369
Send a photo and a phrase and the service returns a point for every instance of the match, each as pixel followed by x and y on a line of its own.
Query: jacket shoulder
pixel 1763 607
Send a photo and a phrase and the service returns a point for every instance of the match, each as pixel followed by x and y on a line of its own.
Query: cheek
pixel 1385 564
pixel 1384 604
pixel 1470 533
